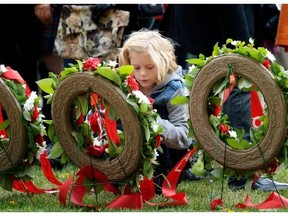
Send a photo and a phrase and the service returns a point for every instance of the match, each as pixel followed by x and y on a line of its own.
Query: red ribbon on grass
pixel 170 183
pixel 274 201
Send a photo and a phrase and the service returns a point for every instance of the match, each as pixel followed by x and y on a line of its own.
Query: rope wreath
pixel 102 120
pixel 21 129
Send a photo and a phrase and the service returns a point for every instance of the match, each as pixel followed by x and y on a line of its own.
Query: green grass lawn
pixel 199 194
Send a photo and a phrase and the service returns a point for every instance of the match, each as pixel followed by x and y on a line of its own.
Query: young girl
pixel 159 77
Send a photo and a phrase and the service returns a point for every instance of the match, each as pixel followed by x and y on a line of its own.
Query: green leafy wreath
pixel 88 111
pixel 219 122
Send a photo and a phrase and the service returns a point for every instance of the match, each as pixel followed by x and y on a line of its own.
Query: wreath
pixel 233 138
pixel 20 118
pixel 110 124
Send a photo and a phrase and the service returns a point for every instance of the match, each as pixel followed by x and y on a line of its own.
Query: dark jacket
pixel 173 117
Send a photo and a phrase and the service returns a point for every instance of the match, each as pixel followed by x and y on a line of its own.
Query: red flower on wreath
pixel 80 120
pixel 158 141
pixel 96 122
pixel 224 128
pixel 91 64
pixel 39 139
pixel 266 63
pixel 97 151
pixel 132 83
pixel 35 114
pixel 271 168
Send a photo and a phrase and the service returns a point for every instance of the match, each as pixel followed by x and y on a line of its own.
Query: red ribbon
pixel 14 75
pixel 47 169
pixel 274 200
pixel 170 183
pixel 256 109
pixel 2 132
pixel 134 201
pixel 111 128
pixel 227 92
pixel 30 187
pixel 78 190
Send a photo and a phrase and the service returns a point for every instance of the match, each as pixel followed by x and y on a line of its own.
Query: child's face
pixel 145 71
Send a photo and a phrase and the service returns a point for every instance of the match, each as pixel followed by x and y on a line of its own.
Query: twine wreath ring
pixel 12 156
pixel 77 83
pixel 265 151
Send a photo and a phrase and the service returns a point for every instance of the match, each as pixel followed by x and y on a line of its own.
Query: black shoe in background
pixel 187 175
pixel 267 184
pixel 235 183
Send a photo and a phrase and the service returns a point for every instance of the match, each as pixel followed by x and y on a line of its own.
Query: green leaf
pixel 198 167
pixel 51 132
pixel 46 85
pixel 27 115
pixel 4 124
pixel 145 127
pixel 79 138
pixel 220 86
pixel 215 50
pixel 144 107
pixel 82 106
pixel 147 168
pixel 244 84
pixel 35 128
pixel 125 70
pixel 6 183
pixel 234 143
pixel 132 102
pixel 68 71
pixel 112 114
pixel 56 151
pixel 196 61
pixel 180 100
pixel 114 150
pixel 216 101
pixel 214 121
pixel 110 74
pixel 240 145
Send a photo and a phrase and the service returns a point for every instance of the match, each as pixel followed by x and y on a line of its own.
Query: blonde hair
pixel 160 49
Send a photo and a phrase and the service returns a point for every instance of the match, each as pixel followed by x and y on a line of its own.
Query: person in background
pixel 196 28
pixel 160 78
pixel 20 40
pixel 282 35
pixel 49 15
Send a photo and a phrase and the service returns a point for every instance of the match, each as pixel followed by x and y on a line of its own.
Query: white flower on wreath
pixel 42 128
pixel 29 104
pixel 155 126
pixel 112 64
pixel 232 134
pixel 236 42
pixel 270 56
pixel 41 149
pixel 2 68
pixel 141 97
